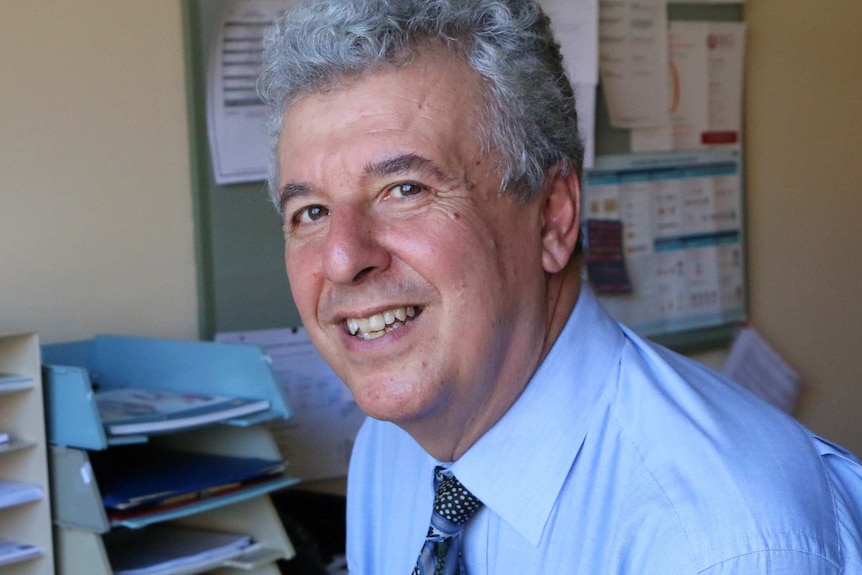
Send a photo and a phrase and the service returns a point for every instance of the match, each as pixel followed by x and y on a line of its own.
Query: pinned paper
pixel 757 367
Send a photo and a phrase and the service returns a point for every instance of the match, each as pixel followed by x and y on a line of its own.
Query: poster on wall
pixel 706 70
pixel 633 56
pixel 236 115
pixel 664 239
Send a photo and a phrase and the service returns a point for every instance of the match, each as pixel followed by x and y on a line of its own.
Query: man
pixel 427 170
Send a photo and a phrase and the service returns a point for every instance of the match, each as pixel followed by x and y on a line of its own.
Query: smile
pixel 380 324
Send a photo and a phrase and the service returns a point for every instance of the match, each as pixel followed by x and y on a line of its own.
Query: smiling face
pixel 421 285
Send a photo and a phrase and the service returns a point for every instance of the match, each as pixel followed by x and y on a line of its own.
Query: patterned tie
pixel 453 507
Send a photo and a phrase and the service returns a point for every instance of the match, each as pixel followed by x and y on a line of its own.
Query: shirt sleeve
pixel 844 471
pixel 845 476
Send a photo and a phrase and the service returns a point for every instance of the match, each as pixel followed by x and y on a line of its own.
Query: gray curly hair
pixel 529 113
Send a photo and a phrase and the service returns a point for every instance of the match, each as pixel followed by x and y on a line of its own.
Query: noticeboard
pixel 241 276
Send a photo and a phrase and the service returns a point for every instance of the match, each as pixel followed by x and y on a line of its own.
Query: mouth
pixel 379 324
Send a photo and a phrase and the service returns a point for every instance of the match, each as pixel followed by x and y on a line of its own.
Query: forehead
pixel 430 107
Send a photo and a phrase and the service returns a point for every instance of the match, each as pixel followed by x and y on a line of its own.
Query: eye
pixel 310 214
pixel 405 190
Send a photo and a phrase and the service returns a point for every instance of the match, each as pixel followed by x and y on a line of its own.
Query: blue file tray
pixel 71 370
pixel 78 502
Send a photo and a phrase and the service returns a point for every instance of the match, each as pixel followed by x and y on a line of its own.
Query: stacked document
pixel 13 551
pixel 17 492
pixel 13 381
pixel 140 480
pixel 132 411
pixel 164 550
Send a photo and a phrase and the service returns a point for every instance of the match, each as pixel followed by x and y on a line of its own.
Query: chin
pixel 398 403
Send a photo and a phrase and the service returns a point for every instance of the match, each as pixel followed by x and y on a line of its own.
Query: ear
pixel 560 219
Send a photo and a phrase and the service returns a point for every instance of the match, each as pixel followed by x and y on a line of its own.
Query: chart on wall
pixel 664 239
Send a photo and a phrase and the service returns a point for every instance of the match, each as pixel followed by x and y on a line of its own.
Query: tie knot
pixel 452 501
pixel 453 507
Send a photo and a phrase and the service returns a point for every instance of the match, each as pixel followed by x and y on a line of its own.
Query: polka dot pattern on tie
pixel 453 502
pixel 453 507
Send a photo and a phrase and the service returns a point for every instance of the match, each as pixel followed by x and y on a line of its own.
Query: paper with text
pixel 318 438
pixel 236 116
pixel 633 61
pixel 705 91
pixel 681 218
pixel 753 364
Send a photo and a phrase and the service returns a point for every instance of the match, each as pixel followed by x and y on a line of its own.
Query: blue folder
pixel 143 478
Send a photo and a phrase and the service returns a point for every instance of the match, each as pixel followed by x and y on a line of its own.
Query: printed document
pixel 236 116
pixel 706 67
pixel 754 365
pixel 633 61
pixel 318 438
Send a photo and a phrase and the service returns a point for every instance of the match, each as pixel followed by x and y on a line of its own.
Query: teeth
pixel 381 323
pixel 353 326
pixel 376 322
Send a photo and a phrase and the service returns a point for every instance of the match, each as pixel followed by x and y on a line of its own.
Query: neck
pixel 469 425
pixel 562 297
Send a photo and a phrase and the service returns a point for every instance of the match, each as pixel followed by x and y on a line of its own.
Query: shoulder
pixel 738 476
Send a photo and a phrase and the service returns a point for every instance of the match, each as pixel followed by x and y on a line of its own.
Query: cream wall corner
pixel 804 200
pixel 96 224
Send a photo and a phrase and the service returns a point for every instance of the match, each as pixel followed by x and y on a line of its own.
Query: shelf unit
pixel 72 371
pixel 24 457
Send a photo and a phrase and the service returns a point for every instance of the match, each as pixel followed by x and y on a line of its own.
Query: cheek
pixel 303 280
pixel 482 251
pixel 495 276
pixel 461 261
pixel 448 254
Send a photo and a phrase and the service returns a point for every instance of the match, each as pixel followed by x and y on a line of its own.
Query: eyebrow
pixel 405 163
pixel 289 191
pixel 388 167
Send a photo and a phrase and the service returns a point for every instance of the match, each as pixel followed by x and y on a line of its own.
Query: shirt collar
pixel 520 465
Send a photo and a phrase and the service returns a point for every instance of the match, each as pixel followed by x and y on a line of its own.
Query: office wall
pixel 96 225
pixel 804 195
pixel 96 221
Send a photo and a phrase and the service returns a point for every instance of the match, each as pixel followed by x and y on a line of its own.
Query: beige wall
pixel 96 227
pixel 96 230
pixel 804 187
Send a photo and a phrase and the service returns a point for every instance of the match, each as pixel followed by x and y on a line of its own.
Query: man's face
pixel 419 283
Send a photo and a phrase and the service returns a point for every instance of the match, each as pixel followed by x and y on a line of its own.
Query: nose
pixel 353 249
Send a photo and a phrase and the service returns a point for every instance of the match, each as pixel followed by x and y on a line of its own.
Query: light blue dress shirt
pixel 620 458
